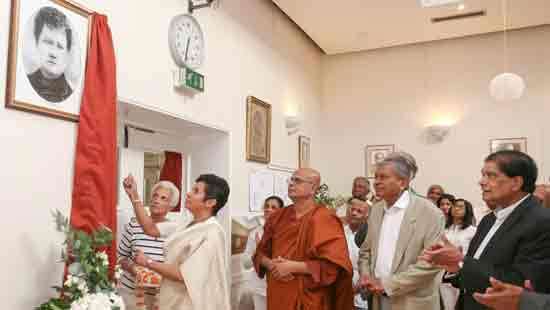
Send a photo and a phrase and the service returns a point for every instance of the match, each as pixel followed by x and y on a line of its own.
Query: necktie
pixel 489 220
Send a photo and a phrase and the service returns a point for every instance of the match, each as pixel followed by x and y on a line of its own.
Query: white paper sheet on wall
pixel 281 186
pixel 268 182
pixel 261 187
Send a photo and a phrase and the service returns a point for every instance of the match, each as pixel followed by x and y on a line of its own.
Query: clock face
pixel 186 41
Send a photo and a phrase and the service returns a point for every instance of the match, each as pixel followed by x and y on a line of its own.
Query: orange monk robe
pixel 317 238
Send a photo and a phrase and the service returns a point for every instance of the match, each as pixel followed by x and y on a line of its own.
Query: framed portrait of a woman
pixel 47 57
pixel 258 130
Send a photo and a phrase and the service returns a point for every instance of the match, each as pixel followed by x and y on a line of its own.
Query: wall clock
pixel 186 41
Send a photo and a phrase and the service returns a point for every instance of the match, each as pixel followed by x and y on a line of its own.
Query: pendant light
pixel 506 86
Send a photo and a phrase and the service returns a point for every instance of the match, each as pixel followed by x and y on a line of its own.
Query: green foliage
pixel 55 304
pixel 88 264
pixel 323 197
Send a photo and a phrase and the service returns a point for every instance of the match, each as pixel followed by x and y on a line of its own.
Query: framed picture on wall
pixel 258 130
pixel 47 57
pixel 304 147
pixel 375 154
pixel 515 144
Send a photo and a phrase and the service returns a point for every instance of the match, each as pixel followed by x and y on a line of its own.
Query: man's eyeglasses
pixel 298 180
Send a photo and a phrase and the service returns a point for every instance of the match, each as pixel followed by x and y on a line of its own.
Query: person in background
pixel 360 190
pixel 355 218
pixel 459 230
pixel 445 202
pixel 434 192
pixel 542 192
pixel 165 196
pixel 258 287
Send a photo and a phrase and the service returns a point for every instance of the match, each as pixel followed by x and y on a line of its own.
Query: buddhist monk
pixel 304 253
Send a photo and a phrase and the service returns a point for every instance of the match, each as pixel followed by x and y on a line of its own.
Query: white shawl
pixel 199 252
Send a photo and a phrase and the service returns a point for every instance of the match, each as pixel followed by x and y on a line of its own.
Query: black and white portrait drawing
pixel 48 47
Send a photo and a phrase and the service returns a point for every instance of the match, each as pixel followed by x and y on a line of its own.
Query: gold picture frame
pixel 258 130
pixel 516 144
pixel 42 79
pixel 304 152
pixel 374 154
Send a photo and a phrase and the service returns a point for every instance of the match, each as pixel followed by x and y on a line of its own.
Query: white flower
pixel 99 301
pixel 69 280
pixel 82 286
pixel 103 257
pixel 118 272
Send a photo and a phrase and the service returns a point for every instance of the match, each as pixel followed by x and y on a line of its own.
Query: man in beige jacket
pixel 400 227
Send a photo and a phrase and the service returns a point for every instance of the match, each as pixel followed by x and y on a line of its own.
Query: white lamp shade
pixel 507 87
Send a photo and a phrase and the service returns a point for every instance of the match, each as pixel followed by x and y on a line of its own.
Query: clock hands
pixel 186 50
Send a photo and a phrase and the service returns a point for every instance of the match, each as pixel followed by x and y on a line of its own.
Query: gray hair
pixel 174 192
pixel 403 163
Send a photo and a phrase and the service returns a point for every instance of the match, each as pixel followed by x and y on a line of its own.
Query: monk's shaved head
pixel 303 184
pixel 312 174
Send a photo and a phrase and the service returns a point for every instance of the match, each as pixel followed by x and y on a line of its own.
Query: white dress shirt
pixel 353 250
pixel 389 233
pixel 460 237
pixel 501 215
pixel 255 284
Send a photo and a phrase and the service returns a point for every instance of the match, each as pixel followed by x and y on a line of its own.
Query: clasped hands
pixel 444 255
pixel 282 269
pixel 372 284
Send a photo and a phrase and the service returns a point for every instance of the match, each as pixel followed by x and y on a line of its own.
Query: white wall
pixel 252 49
pixel 388 96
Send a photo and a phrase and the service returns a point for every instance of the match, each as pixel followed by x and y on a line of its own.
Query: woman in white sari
pixel 194 270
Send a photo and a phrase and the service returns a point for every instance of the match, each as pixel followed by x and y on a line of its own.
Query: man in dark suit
pixel 512 243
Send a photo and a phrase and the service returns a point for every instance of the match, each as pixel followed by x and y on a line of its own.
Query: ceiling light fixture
pixel 506 86
pixel 434 3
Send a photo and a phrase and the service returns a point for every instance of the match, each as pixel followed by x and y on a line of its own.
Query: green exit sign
pixel 185 77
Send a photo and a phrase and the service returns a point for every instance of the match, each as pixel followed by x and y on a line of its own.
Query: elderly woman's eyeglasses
pixel 298 180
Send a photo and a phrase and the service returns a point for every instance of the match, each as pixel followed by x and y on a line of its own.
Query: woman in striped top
pixel 165 197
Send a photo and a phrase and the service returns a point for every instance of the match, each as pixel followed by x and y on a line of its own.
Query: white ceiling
pixel 340 26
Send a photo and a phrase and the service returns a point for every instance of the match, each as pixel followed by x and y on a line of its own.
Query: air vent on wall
pixel 458 16
pixel 435 3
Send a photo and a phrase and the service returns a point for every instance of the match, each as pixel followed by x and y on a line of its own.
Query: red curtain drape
pixel 95 184
pixel 172 171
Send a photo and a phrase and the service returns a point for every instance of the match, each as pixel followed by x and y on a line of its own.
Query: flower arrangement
pixel 88 286
pixel 323 197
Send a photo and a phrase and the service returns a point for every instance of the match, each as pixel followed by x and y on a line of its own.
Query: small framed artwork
pixel 258 130
pixel 513 144
pixel 375 154
pixel 304 147
pixel 47 57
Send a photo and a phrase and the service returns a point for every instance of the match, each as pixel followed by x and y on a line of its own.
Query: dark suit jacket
pixel 361 234
pixel 53 90
pixel 534 301
pixel 518 251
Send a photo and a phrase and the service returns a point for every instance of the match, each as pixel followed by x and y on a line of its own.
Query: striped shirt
pixel 133 239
